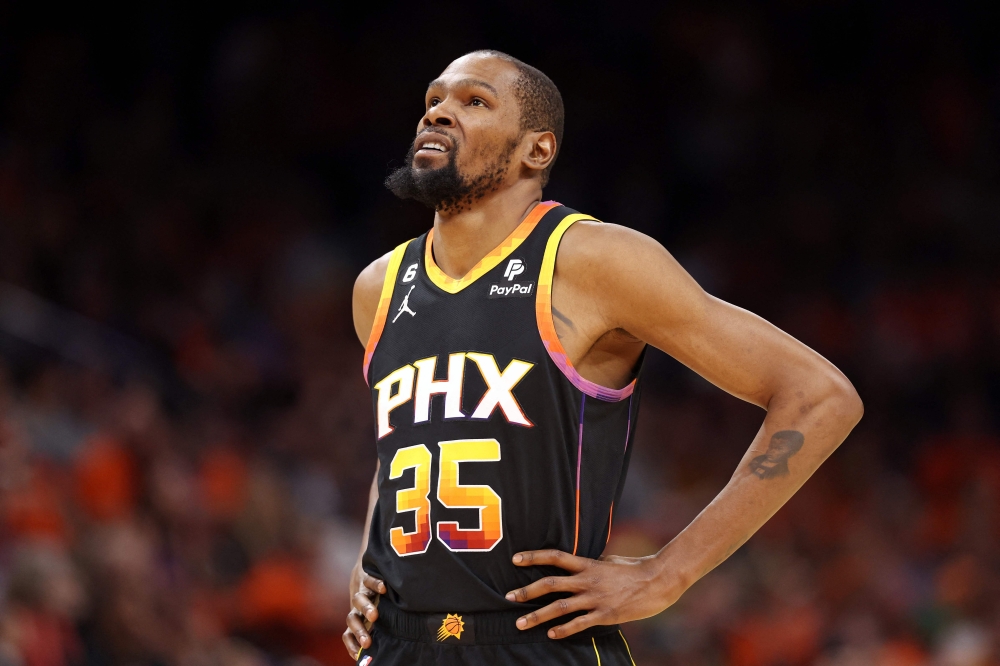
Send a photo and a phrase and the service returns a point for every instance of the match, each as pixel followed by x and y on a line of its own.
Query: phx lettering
pixel 416 382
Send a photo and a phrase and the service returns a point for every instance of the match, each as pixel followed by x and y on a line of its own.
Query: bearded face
pixel 447 188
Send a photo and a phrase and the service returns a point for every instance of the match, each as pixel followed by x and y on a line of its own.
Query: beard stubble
pixel 446 189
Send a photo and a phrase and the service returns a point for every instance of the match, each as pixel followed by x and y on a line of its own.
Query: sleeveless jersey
pixel 488 439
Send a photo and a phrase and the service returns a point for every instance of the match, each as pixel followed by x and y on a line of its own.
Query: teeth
pixel 433 146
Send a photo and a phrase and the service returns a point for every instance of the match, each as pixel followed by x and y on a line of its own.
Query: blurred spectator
pixel 44 598
pixel 185 437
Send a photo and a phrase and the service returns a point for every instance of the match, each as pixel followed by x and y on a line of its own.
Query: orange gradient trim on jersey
pixel 395 259
pixel 550 339
pixel 611 518
pixel 547 329
pixel 491 260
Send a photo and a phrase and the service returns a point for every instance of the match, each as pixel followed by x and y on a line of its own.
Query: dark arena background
pixel 186 196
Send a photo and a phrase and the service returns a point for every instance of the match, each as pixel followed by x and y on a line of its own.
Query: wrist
pixel 676 572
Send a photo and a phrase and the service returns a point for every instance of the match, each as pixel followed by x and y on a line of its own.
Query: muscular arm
pixel 634 286
pixel 647 293
pixel 367 290
pixel 364 589
pixel 356 573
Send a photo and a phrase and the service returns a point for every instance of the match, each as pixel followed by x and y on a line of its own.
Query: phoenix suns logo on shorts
pixel 451 626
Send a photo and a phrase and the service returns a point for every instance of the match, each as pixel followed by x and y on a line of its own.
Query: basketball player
pixel 503 351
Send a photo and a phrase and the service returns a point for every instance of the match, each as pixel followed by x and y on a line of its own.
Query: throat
pixel 459 243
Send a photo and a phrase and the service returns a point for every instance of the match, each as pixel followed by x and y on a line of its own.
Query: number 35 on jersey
pixel 415 383
pixel 451 494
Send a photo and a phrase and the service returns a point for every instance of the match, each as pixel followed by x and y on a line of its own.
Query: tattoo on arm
pixel 774 463
pixel 564 319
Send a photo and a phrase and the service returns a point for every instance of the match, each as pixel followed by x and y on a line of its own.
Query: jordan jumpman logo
pixel 405 306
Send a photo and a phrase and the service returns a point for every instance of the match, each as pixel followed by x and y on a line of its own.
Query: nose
pixel 439 116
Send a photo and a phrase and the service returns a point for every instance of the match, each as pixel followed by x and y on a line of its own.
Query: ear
pixel 541 150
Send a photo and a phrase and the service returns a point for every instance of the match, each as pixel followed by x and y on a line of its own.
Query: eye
pixel 477 102
pixel 434 102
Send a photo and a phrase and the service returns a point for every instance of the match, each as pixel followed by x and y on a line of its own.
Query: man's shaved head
pixel 541 103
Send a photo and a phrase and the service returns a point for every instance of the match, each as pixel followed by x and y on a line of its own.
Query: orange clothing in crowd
pixel 35 510
pixel 106 481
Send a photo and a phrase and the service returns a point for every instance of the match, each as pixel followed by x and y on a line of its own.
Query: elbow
pixel 844 399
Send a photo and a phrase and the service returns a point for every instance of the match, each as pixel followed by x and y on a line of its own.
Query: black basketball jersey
pixel 489 441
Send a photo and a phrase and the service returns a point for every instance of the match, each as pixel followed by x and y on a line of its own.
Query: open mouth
pixel 434 143
pixel 432 147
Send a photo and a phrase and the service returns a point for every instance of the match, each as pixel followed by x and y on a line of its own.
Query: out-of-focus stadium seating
pixel 185 436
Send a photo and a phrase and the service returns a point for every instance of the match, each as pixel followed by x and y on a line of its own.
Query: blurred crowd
pixel 185 436
pixel 197 501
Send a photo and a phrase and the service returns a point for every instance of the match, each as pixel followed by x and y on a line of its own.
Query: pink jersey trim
pixel 547 329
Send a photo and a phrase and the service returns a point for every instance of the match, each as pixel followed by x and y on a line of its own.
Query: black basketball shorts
pixel 485 639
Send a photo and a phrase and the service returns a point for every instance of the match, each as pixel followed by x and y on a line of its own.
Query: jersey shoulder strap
pixel 546 326
pixel 395 259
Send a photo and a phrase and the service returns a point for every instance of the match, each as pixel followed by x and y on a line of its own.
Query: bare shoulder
pixel 626 271
pixel 590 245
pixel 367 291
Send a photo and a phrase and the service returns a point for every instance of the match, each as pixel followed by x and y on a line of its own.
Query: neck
pixel 462 239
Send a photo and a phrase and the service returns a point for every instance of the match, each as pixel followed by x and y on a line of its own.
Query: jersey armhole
pixel 395 259
pixel 547 329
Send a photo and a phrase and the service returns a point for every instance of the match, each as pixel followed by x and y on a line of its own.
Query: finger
pixel 544 586
pixel 373 583
pixel 557 558
pixel 351 643
pixel 363 604
pixel 577 624
pixel 556 609
pixel 356 625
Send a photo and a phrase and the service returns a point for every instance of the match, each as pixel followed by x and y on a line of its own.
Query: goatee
pixel 445 189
